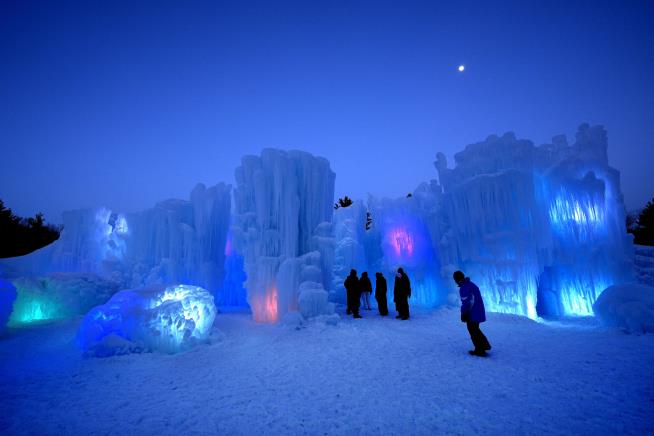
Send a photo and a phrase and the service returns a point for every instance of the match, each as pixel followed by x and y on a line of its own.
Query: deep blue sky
pixel 127 103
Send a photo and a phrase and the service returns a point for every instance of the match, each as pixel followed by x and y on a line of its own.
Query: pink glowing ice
pixel 402 242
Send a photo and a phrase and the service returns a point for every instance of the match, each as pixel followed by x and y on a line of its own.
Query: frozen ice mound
pixel 313 300
pixel 7 297
pixel 628 306
pixel 155 318
pixel 58 296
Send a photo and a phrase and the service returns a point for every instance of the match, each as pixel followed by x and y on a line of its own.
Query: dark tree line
pixel 642 226
pixel 20 236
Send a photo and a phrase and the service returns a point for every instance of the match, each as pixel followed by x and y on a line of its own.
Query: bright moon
pixel 461 68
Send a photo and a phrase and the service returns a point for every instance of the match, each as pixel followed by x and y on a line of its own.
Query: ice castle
pixel 539 228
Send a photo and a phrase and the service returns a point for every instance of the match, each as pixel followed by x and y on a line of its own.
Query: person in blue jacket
pixel 472 312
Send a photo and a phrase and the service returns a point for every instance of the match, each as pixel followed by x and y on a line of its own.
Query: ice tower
pixel 282 226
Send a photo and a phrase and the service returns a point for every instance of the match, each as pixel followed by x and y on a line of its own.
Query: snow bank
pixel 59 296
pixel 629 306
pixel 7 297
pixel 167 319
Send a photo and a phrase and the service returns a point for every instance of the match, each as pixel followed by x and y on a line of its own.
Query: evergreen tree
pixel 20 236
pixel 644 231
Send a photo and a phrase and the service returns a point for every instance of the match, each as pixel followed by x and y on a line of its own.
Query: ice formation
pixel 58 296
pixel 167 319
pixel 283 210
pixel 400 235
pixel 7 298
pixel 628 306
pixel 177 241
pixel 540 229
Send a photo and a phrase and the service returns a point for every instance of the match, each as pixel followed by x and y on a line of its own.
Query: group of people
pixel 472 305
pixel 360 289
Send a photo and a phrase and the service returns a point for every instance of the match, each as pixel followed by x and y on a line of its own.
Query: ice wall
pixel 403 232
pixel 7 298
pixel 58 296
pixel 283 210
pixel 233 291
pixel 177 241
pixel 180 241
pixel 541 229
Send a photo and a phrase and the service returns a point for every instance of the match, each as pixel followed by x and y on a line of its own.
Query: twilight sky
pixel 124 104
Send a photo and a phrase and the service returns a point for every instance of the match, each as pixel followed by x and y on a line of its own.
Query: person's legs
pixel 404 309
pixel 482 340
pixel 383 307
pixel 473 329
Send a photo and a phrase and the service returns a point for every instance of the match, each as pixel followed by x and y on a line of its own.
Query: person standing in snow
pixel 472 312
pixel 353 293
pixel 366 289
pixel 380 294
pixel 401 294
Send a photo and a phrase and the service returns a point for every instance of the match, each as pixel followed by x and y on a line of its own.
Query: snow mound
pixel 167 319
pixel 58 296
pixel 629 306
pixel 7 297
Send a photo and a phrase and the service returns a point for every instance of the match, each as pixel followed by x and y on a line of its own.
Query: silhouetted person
pixel 401 294
pixel 366 289
pixel 472 312
pixel 353 292
pixel 380 294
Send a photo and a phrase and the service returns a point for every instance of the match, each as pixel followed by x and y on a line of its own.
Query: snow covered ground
pixel 368 376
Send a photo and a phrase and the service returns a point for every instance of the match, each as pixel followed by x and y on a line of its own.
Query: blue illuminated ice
pixel 58 296
pixel 540 229
pixel 7 297
pixel 176 241
pixel 158 318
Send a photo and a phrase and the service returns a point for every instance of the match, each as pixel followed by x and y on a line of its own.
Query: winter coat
pixel 472 305
pixel 353 291
pixel 364 284
pixel 401 288
pixel 380 288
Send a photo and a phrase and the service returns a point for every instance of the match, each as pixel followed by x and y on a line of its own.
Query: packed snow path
pixel 367 376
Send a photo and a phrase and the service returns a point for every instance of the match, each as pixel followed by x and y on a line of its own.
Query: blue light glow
pixel 577 214
pixel 165 319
